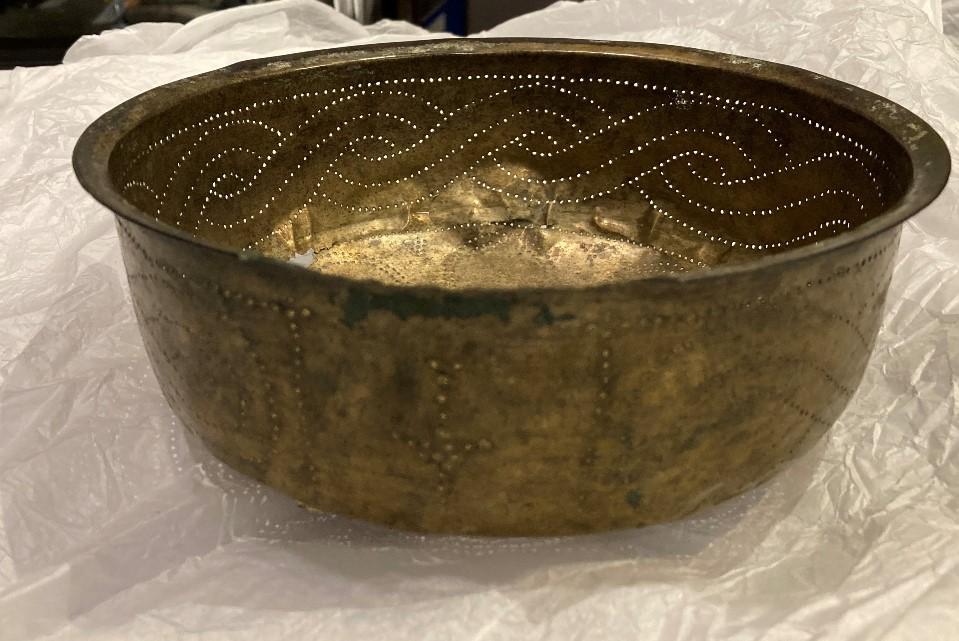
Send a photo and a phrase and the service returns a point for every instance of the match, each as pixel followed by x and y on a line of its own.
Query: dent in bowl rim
pixel 927 152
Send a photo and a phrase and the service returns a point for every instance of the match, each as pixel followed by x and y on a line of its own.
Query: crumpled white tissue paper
pixel 115 525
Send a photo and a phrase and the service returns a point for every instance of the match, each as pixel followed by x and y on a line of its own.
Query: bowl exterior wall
pixel 520 413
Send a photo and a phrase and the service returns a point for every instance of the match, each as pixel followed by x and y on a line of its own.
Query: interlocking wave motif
pixel 540 141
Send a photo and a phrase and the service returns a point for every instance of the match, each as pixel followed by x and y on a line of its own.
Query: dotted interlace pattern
pixel 688 177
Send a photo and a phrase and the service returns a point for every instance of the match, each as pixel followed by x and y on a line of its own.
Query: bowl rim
pixel 926 150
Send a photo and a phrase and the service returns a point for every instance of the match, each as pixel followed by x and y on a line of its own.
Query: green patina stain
pixel 547 317
pixel 360 303
pixel 634 498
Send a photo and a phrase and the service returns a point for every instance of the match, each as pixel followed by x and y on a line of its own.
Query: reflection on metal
pixel 510 287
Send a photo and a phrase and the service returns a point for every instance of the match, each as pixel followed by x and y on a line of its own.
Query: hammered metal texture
pixel 506 320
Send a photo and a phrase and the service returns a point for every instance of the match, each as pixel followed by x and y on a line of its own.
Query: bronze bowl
pixel 510 287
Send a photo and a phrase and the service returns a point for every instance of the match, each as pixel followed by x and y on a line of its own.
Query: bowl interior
pixel 538 168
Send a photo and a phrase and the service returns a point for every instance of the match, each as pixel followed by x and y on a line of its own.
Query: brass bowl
pixel 553 286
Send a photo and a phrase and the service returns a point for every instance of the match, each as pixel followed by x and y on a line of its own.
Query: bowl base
pixel 494 255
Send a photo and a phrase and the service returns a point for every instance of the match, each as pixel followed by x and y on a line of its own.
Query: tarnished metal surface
pixel 553 286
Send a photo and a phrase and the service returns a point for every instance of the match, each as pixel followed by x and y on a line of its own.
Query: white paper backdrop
pixel 114 525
